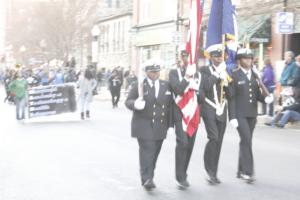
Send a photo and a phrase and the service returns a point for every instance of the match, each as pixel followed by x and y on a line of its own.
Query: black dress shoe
pixel 183 184
pixel 213 180
pixel 247 178
pixel 149 184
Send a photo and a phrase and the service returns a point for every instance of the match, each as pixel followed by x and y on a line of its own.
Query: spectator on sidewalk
pixel 289 112
pixel 86 86
pixel 18 88
pixel 130 79
pixel 269 82
pixel 115 83
pixel 289 69
pixel 9 77
pixel 70 77
pixel 58 77
pixel 295 78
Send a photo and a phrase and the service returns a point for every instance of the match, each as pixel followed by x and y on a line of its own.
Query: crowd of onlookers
pixel 286 91
pixel 89 82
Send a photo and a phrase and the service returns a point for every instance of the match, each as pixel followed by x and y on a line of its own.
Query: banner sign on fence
pixel 51 100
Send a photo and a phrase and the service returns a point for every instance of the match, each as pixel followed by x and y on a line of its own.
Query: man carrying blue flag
pixel 220 41
pixel 214 110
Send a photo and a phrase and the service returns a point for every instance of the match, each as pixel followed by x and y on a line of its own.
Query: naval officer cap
pixel 244 53
pixel 215 50
pixel 152 66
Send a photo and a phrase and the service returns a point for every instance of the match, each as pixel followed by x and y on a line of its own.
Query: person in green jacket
pixel 289 69
pixel 18 88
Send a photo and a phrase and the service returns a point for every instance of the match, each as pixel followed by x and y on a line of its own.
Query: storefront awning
pixel 255 28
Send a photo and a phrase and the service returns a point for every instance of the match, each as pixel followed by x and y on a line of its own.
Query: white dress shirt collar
pixel 156 85
pixel 247 72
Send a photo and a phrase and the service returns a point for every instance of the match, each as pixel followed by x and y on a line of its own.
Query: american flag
pixel 188 103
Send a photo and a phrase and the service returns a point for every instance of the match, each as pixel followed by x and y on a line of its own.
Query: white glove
pixel 222 67
pixel 216 74
pixel 139 104
pixel 234 123
pixel 170 130
pixel 255 70
pixel 269 99
pixel 194 84
pixel 190 70
pixel 223 75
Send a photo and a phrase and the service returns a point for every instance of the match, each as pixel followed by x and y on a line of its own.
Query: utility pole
pixel 177 28
pixel 285 2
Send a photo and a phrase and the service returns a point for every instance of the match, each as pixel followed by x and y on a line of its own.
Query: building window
pixel 144 10
pixel 123 36
pixel 114 37
pixel 109 3
pixel 107 39
pixel 119 36
pixel 117 3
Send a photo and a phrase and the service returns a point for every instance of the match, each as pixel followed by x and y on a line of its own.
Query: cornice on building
pixel 137 27
pixel 112 17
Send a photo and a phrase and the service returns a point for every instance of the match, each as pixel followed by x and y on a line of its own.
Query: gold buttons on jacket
pixel 154 106
pixel 161 121
pixel 154 113
pixel 163 114
pixel 163 106
pixel 250 100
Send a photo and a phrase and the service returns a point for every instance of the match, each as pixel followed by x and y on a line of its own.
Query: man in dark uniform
pixel 180 79
pixel 150 121
pixel 243 110
pixel 214 112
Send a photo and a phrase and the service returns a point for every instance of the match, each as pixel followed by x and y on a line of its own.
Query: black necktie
pixel 183 71
pixel 153 88
pixel 247 73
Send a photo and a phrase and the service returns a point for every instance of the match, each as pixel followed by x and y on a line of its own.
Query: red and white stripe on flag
pixel 188 103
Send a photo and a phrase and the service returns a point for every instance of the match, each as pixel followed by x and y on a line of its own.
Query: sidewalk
pixel 264 118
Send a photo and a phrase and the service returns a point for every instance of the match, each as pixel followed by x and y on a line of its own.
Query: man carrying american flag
pixel 185 83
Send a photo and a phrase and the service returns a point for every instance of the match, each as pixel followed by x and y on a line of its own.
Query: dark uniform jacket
pixel 245 95
pixel 209 80
pixel 178 87
pixel 153 121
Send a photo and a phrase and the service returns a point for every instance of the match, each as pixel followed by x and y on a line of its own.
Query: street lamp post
pixel 43 46
pixel 22 50
pixel 95 34
pixel 285 3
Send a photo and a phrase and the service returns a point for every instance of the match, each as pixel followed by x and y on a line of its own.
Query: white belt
pixel 219 108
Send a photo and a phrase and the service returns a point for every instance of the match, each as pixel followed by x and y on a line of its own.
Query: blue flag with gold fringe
pixel 222 21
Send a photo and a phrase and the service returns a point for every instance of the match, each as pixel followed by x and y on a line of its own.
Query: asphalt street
pixel 63 158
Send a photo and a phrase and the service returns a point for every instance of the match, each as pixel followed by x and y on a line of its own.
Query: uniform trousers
pixel 215 131
pixel 183 151
pixel 148 154
pixel 245 129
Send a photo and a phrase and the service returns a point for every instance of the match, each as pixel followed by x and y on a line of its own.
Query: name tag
pixel 241 82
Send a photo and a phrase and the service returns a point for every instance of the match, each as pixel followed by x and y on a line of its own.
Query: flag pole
pixel 223 59
pixel 141 82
